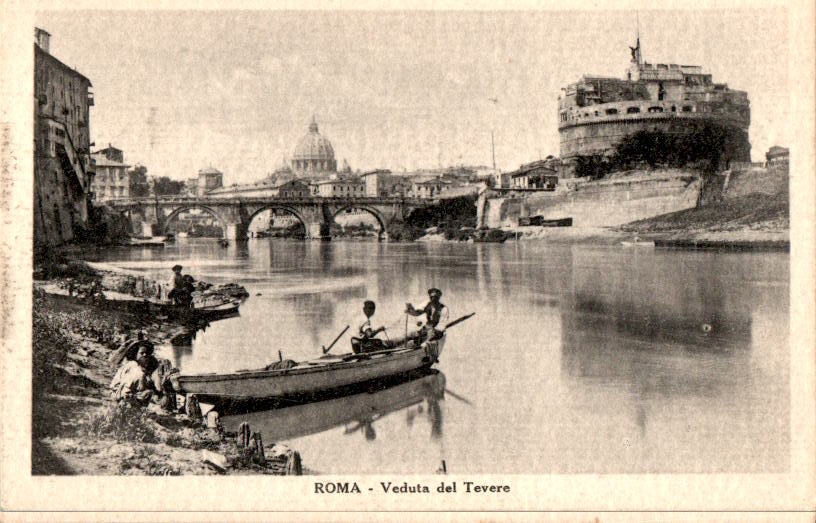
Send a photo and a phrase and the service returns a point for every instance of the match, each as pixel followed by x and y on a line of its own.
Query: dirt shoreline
pixel 77 428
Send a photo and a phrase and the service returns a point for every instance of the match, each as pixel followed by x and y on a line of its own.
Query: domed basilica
pixel 314 155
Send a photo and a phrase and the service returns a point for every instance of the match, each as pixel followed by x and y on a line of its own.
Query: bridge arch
pixel 370 210
pixel 278 207
pixel 173 215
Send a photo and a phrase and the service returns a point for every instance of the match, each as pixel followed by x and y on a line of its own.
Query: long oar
pixel 460 398
pixel 459 320
pixel 327 349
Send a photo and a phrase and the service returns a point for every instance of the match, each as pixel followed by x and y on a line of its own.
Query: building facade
pixel 381 182
pixel 596 113
pixel 313 155
pixel 341 188
pixel 208 180
pixel 112 178
pixel 778 156
pixel 63 173
pixel 540 175
pixel 429 188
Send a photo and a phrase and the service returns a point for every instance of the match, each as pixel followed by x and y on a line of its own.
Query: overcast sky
pixel 178 91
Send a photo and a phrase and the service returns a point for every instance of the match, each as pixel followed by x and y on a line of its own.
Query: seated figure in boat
pixel 368 341
pixel 434 311
pixel 183 285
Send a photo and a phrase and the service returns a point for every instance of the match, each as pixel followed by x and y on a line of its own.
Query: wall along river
pixel 580 358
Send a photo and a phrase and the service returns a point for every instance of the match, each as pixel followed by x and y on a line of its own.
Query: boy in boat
pixel 368 341
pixel 434 312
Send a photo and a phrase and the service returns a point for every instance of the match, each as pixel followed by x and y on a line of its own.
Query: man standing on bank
pixel 434 311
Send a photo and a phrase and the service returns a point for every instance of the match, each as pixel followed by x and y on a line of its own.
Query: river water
pixel 580 359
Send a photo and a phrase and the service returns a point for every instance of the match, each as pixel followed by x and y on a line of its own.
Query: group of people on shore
pixel 142 378
pixel 435 312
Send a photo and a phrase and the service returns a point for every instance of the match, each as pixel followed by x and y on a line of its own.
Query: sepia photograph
pixel 371 246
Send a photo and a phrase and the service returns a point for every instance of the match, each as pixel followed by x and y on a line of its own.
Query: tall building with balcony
pixel 596 113
pixel 63 173
pixel 112 179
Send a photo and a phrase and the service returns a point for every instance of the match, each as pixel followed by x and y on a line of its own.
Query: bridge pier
pixel 318 231
pixel 147 229
pixel 236 231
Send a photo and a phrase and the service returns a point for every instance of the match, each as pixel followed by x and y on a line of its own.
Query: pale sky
pixel 178 91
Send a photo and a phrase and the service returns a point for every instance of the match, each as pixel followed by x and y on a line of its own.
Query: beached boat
pixel 638 243
pixel 310 377
pixel 208 311
pixel 542 222
pixel 146 242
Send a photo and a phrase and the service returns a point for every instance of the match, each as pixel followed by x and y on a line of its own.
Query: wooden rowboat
pixel 314 376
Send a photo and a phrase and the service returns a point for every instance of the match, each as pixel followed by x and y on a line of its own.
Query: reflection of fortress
pixel 597 112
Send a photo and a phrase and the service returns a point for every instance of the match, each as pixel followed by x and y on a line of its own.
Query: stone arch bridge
pixel 153 215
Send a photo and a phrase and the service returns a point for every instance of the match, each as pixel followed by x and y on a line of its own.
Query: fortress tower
pixel 595 113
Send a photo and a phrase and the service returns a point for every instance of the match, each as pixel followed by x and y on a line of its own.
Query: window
pixel 612 111
pixel 633 110
pixel 655 109
pixel 687 108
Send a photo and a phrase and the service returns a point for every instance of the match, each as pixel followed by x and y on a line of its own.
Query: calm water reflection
pixel 580 358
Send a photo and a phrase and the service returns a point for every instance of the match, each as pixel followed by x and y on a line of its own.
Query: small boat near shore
pixel 542 222
pixel 146 242
pixel 638 243
pixel 322 374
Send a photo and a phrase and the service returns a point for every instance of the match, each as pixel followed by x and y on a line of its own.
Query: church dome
pixel 314 154
pixel 314 146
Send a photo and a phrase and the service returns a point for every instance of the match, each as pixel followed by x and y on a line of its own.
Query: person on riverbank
pixel 182 292
pixel 434 311
pixel 368 335
pixel 130 347
pixel 132 382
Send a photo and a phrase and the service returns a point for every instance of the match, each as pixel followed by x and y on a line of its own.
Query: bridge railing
pixel 270 199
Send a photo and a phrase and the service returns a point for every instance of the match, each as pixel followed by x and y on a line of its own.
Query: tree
pixel 164 186
pixel 138 182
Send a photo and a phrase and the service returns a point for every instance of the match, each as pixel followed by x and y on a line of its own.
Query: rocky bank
pixel 77 428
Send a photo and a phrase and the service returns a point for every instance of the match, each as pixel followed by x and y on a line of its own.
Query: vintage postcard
pixel 426 262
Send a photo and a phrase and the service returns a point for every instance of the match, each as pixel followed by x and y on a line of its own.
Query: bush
pixel 122 422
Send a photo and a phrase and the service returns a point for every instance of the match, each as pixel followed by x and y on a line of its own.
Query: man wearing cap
pixel 182 292
pixel 434 312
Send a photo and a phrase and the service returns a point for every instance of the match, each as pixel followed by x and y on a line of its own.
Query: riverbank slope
pixel 77 428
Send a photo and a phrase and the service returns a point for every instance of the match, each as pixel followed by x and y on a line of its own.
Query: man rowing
pixel 434 311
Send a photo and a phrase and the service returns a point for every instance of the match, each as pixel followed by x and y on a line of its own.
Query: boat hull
pixel 313 376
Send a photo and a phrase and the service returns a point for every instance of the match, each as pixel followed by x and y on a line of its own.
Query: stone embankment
pixel 77 428
pixel 752 209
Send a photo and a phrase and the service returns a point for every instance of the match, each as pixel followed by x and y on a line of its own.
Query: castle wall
pixel 638 195
pixel 596 129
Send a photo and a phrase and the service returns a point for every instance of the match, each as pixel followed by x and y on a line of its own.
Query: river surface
pixel 580 359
